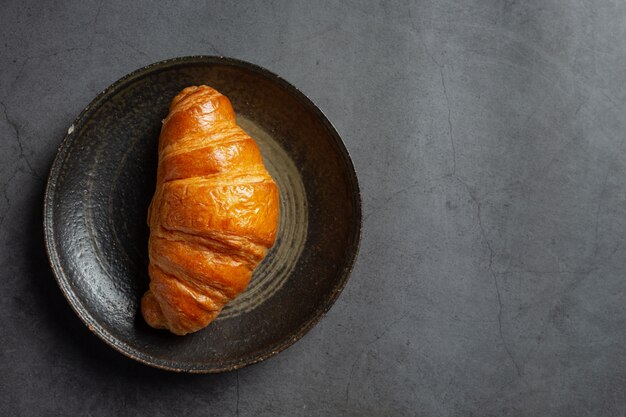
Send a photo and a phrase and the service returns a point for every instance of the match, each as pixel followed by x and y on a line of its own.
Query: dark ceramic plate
pixel 102 181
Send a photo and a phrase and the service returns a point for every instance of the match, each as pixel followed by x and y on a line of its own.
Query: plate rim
pixel 61 276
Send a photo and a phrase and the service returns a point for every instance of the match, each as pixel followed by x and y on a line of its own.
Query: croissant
pixel 213 216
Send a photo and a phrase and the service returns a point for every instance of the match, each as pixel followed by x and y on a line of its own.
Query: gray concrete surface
pixel 489 141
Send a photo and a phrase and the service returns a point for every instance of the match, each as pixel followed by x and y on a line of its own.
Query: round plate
pixel 102 181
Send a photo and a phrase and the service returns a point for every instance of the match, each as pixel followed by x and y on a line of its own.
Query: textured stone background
pixel 489 141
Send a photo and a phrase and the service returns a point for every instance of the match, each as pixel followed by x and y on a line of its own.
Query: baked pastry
pixel 213 216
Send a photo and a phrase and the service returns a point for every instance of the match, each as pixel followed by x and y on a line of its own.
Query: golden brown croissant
pixel 213 216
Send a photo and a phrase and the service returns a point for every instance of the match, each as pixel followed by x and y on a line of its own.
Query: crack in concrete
pixel 445 90
pixel 445 93
pixel 390 198
pixel 365 347
pixel 454 175
pixel 473 197
pixel 492 272
pixel 18 138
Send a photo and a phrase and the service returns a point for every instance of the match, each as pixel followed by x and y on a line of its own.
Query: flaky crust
pixel 213 216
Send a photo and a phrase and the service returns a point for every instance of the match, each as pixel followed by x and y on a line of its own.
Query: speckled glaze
pixel 102 181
